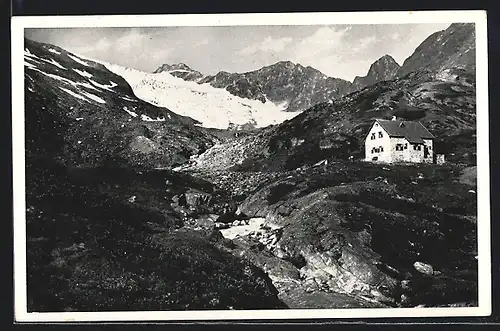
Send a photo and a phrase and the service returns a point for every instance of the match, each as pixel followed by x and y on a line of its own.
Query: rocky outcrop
pixel 244 88
pixel 334 232
pixel 180 70
pixel 86 115
pixel 383 69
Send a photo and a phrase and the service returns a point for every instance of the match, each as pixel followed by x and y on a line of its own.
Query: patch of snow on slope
pixel 149 119
pixel 93 97
pixel 29 65
pixel 28 53
pixel 57 64
pixel 33 57
pixel 59 78
pixel 74 58
pixel 131 113
pixel 179 70
pixel 76 95
pixel 54 51
pixel 56 77
pixel 213 107
pixel 88 97
pixel 105 87
pixel 128 99
pixel 87 85
pixel 83 73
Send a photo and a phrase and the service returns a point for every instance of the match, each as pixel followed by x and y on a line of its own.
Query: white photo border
pixel 478 17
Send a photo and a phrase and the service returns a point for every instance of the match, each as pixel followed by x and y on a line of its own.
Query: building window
pixel 373 136
pixel 417 147
pixel 406 145
pixel 381 148
pixel 399 147
pixel 380 135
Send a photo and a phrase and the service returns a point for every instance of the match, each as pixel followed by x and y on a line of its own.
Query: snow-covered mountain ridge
pixel 213 107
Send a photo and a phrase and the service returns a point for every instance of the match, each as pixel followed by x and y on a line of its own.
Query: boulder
pixel 423 268
pixel 196 198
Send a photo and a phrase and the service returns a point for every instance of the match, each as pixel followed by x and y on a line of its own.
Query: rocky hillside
pixel 328 217
pixel 383 69
pixel 80 112
pixel 114 239
pixel 324 241
pixel 355 234
pixel 106 232
pixel 445 103
pixel 453 48
pixel 180 70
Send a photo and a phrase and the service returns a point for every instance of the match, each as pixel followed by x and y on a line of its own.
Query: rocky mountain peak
pixel 385 68
pixel 386 62
pixel 453 47
pixel 180 70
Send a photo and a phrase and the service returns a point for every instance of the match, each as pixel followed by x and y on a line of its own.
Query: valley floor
pixel 349 235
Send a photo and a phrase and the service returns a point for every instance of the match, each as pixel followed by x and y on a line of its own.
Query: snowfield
pixel 213 107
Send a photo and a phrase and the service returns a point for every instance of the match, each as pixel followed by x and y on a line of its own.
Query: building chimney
pixel 393 118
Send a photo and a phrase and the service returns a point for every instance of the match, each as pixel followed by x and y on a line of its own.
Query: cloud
pixel 103 45
pixel 202 42
pixel 268 45
pixel 395 36
pixel 132 40
pixel 363 44
pixel 321 42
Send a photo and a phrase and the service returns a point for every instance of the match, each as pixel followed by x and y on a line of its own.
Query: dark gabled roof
pixel 414 132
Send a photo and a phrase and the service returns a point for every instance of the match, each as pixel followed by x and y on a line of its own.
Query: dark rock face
pixel 383 69
pixel 287 83
pixel 245 89
pixel 180 70
pixel 453 48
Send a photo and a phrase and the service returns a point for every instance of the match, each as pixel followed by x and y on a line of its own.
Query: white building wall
pixel 384 142
pixel 409 154
pixel 401 156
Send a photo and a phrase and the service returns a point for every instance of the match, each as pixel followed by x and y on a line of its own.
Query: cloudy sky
pixel 342 51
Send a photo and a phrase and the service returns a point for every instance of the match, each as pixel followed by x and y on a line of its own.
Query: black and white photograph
pixel 251 166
